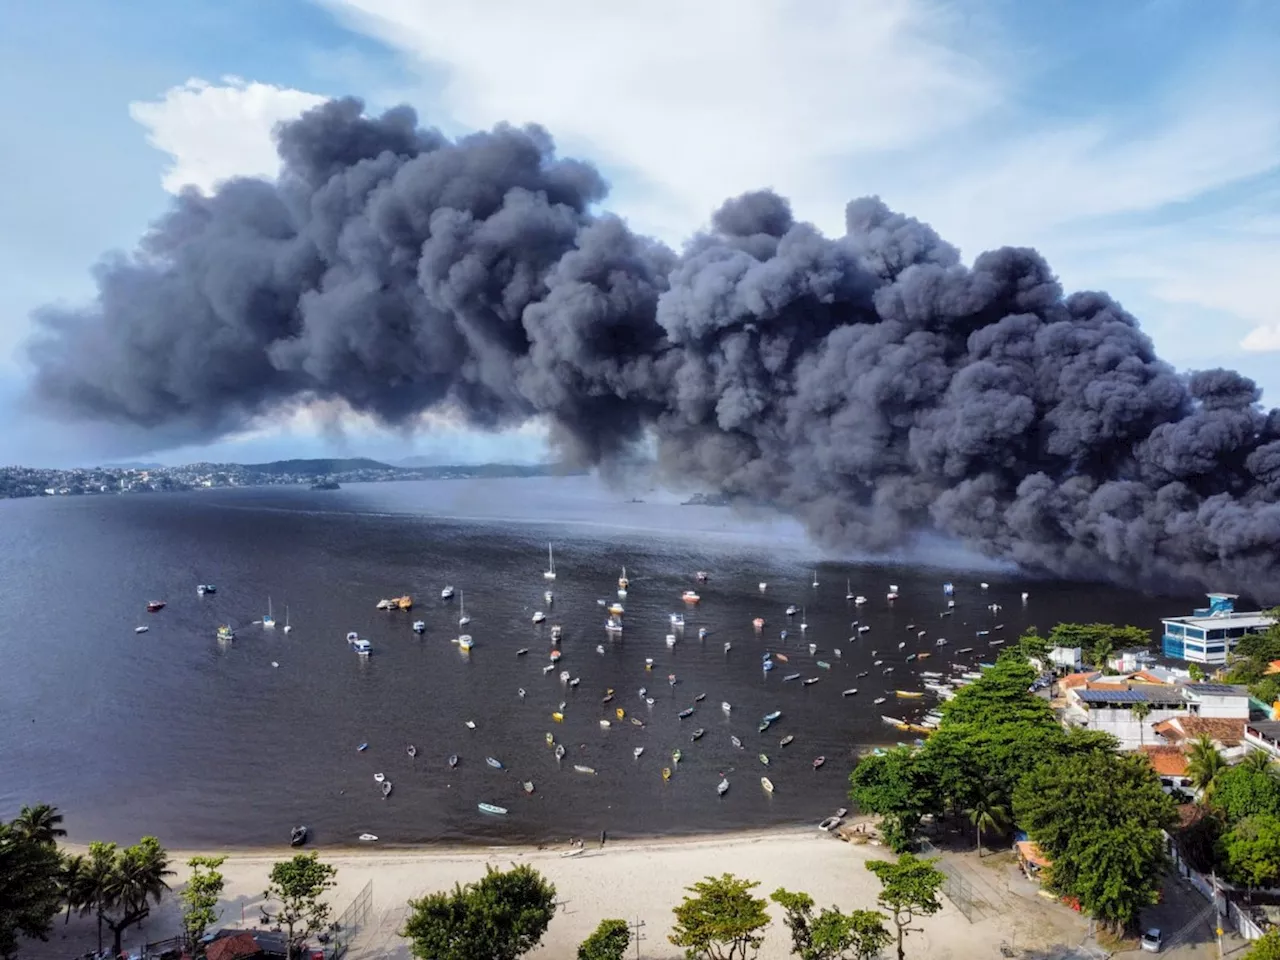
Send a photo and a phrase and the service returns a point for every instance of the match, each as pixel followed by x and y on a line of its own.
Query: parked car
pixel 1151 940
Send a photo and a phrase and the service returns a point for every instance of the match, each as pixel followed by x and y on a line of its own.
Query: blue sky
pixel 1136 144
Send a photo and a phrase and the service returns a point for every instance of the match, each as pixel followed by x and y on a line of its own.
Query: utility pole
pixel 636 935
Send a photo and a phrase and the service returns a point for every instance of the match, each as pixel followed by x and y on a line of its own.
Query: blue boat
pixel 496 764
pixel 770 717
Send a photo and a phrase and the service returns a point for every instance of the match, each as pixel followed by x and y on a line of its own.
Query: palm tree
pixel 73 881
pixel 988 811
pixel 1140 713
pixel 41 823
pixel 1204 766
pixel 137 877
pixel 1255 761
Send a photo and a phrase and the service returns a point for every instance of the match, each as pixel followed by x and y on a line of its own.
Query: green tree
pixel 1033 646
pixel 1098 640
pixel 1240 792
pixel 1255 761
pixel 200 897
pixel 1266 947
pixel 609 941
pixel 721 921
pixel 30 888
pixel 99 866
pixel 988 811
pixel 41 823
pixel 72 883
pixel 1196 673
pixel 1100 819
pixel 908 889
pixel 1000 696
pixel 1204 766
pixel 299 885
pixel 1251 851
pixel 897 787
pixel 1140 713
pixel 500 917
pixel 134 882
pixel 832 935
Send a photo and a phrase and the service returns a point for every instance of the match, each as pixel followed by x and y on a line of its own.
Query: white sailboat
pixel 848 590
pixel 550 572
pixel 463 619
pixel 815 579
pixel 287 626
pixel 269 620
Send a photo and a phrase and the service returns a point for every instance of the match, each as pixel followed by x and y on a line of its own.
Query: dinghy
pixel 491 808
pixel 368 837
pixel 297 836
pixel 453 760
pixel 722 788
pixel 767 784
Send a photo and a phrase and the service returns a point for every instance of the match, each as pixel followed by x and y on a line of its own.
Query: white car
pixel 1151 940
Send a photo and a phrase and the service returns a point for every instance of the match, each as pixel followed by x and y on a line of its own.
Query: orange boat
pixel 758 623
pixel 404 603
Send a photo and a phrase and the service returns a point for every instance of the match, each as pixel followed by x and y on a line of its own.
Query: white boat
pixel 940 642
pixel 379 778
pixel 463 619
pixel 368 837
pixel 623 582
pixel 605 724
pixel 269 620
pixel 864 628
pixel 767 784
pixel 600 649
pixel 948 589
pixel 549 597
pixel 1025 597
pixel 848 590
pixel 465 642
pixel 722 787
pixel 446 593
pixel 677 620
pixel 362 647
pixel 539 616
pixel 352 636
pixel 763 586
pixel 813 648
pixel 564 676
pixel 616 609
pixel 792 610
pixel 984 585
pixel 419 626
pixel 550 572
pixel 491 808
pixel 613 625
pixel 556 632
pixel 287 625
pixel 815 579
pixel 671 639
pixel 141 629
pixel 850 692
pixel 470 724
pixel 859 601
pixel 702 633
pixel 726 706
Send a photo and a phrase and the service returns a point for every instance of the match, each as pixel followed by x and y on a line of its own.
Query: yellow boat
pixel 558 717
pixel 666 773
pixel 620 713
pixel 916 728
pixel 405 602
pixel 908 694
pixel 551 741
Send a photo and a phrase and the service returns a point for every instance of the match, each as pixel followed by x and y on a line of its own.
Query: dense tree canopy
pixel 1241 792
pixel 722 920
pixel 30 892
pixel 499 917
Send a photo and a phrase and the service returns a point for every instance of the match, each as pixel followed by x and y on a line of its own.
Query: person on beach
pixel 601 839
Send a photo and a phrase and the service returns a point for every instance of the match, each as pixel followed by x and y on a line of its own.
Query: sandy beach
pixel 637 881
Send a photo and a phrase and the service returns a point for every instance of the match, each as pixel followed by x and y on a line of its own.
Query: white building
pixel 1212 632
pixel 1070 658
pixel 1108 705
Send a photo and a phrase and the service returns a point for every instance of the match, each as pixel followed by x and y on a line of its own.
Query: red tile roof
pixel 233 948
pixel 1078 679
pixel 1221 730
pixel 1031 853
pixel 1167 761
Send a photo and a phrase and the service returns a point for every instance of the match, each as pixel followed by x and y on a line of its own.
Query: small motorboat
pixel 528 786
pixel 386 789
pixel 204 589
pixel 699 698
pixel 453 760
pixel 767 784
pixel 551 740
pixel 677 619
pixel 697 734
pixel 582 768
pixel 818 761
pixel 555 656
pixel 470 724
pixel 829 824
pixel 539 616
pixel 600 649
pixel 859 601
pixel 575 681
pixel 520 693
pixel 446 593
pixel 141 629
pixel 666 773
pixel 862 673
pixel 613 625
pixel 735 741
pixel 548 668
pixel 781 657
pixel 225 633
pixel 686 712
pixel 701 576
pixel 813 648
pixel 368 837
pixel 637 722
pixel 607 698
pixel 758 623
pixel 155 605
pixel 605 724
pixel 556 632
pixel 690 596
pixel 792 610
pixel 785 740
pixel 565 676
pixel 782 635
pixel 549 597
pixel 791 676
pixel 491 808
pixel 770 717
pixel 727 646
pixel 411 750
pixel 849 693
pixel 558 716
pixel 419 626
pixel 671 639
pixel 878 700
pixel 823 665
pixel 637 751
pixel 864 629
pixel 362 748
pixel 379 777
pixel 764 758
pixel 559 752
pixel 726 706
pixel 496 764
pixel 702 633
pixel 465 643
pixel 297 836
pixel 722 787
pixel 619 713
pixel 763 586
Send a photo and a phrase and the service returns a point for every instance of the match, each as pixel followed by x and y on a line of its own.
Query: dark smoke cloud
pixel 872 384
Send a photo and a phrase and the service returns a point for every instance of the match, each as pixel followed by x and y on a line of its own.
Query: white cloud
pixel 214 132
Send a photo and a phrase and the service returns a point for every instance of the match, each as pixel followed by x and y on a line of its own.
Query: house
pixel 1263 735
pixel 1074 681
pixel 1212 632
pixel 1126 661
pixel 1224 700
pixel 1170 765
pixel 1066 658
pixel 1226 735
pixel 1111 704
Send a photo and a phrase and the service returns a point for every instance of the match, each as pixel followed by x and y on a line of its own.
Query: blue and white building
pixel 1212 632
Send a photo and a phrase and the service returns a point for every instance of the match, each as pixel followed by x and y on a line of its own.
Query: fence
pixel 350 922
pixel 956 888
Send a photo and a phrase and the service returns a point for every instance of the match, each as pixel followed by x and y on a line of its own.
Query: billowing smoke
pixel 871 384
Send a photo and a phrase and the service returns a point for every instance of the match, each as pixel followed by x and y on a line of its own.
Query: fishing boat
pixel 559 752
pixel 697 734
pixel 581 768
pixel 722 787
pixel 368 837
pixel 623 582
pixel 764 758
pixel 465 643
pixel 767 784
pixel 297 836
pixel 758 623
pixel 528 786
pixel 496 764
pixel 411 750
pixel 666 773
pixel 491 808
pixel 785 740
pixel 463 619
pixel 735 741
pixel 686 712
pixel 538 616
pixel 386 789
pixel 637 751
pixel 689 596
pixel 203 589
pixel 225 633
pixel 362 648
pixel 446 593
pixel 849 693
pixel 810 681
pixel 818 761
pixel 550 572
pixel 453 760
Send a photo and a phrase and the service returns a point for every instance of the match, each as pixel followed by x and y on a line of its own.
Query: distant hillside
pixel 317 468
pixel 422 468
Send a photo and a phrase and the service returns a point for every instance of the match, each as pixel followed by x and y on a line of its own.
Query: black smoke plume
pixel 871 384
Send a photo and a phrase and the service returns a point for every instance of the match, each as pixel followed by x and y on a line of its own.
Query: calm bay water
pixel 201 743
